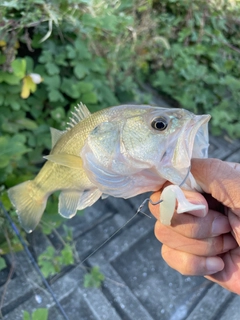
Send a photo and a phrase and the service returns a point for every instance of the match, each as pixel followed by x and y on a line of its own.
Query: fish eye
pixel 159 124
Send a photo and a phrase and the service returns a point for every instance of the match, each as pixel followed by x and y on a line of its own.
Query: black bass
pixel 120 151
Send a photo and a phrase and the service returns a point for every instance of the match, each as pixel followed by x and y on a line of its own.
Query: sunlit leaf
pixel 40 314
pixel 26 315
pixel 28 87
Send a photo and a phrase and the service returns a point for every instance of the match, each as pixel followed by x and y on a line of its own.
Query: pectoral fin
pixel 67 160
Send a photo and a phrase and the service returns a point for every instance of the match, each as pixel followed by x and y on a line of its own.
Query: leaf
pixel 82 49
pixel 67 255
pixel 26 315
pixel 94 278
pixel 29 64
pixel 84 86
pixel 27 123
pixel 46 56
pixel 71 52
pixel 71 88
pixel 107 95
pixel 89 97
pixel 80 70
pixel 2 58
pixel 2 264
pixel 2 43
pixel 47 268
pixel 19 67
pixel 53 82
pixel 28 87
pixel 10 148
pixel 40 314
pixel 55 95
pixel 58 114
pixel 15 247
pixel 52 68
pixel 13 101
pixel 9 78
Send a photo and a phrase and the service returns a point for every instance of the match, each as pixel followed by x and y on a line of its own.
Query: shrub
pixel 200 66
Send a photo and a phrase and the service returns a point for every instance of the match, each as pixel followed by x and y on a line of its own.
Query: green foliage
pixel 199 69
pixel 94 278
pixel 71 48
pixel 51 262
pixel 2 264
pixel 38 314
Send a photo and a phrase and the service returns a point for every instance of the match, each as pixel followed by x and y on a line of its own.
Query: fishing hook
pixel 159 201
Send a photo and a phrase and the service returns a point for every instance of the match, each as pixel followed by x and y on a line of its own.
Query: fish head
pixel 140 147
pixel 167 140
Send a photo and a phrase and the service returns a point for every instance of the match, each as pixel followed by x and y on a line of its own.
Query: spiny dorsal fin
pixel 81 112
pixel 56 135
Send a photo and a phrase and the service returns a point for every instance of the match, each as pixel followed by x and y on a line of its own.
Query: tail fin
pixel 29 202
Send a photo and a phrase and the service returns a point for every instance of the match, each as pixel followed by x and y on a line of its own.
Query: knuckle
pixel 196 231
pixel 186 264
pixel 214 246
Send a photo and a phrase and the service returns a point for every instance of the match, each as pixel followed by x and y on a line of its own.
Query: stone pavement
pixel 138 284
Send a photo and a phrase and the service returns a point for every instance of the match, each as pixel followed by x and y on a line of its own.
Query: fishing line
pixel 123 226
pixel 109 238
pixel 30 256
pixel 184 180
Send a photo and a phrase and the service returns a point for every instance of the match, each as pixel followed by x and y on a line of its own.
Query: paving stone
pixel 211 304
pixel 133 260
pixel 230 309
pixel 119 294
pixel 77 302
pixel 221 148
pixel 39 242
pixel 234 157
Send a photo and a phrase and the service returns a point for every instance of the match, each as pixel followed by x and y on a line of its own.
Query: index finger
pixel 220 179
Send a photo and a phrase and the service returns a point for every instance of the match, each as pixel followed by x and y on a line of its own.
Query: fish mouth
pixel 199 140
pixel 192 142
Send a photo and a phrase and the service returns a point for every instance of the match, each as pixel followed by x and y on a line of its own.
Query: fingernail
pixel 220 226
pixel 214 264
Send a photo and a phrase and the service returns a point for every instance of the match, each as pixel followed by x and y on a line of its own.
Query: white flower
pixel 36 78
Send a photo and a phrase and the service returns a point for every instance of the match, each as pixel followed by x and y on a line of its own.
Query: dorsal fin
pixel 81 112
pixel 56 135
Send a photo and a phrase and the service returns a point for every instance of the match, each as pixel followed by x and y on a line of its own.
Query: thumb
pixel 220 179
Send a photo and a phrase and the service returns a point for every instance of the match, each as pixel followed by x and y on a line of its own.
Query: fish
pixel 120 151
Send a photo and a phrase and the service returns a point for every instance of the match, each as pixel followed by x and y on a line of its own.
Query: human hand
pixel 206 242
